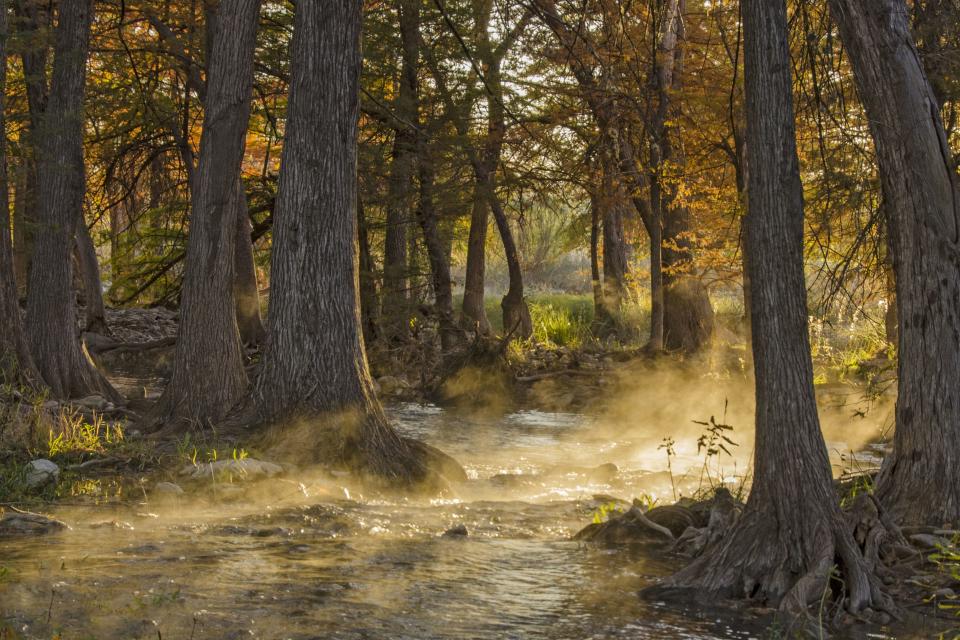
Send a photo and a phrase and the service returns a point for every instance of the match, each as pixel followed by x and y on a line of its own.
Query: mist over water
pixel 305 556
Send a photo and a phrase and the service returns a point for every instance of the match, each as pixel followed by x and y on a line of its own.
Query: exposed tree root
pixel 763 562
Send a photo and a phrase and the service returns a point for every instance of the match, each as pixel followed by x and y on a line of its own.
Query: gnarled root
pixel 789 565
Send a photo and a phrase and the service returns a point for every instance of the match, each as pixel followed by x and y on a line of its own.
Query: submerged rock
pixel 604 472
pixel 632 527
pixel 459 531
pixel 242 469
pixel 40 472
pixel 28 524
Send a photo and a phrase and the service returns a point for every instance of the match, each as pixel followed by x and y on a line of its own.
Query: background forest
pixel 449 90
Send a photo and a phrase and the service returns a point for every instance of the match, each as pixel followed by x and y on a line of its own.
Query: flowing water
pixel 305 557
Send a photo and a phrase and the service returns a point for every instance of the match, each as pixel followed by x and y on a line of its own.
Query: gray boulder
pixel 40 472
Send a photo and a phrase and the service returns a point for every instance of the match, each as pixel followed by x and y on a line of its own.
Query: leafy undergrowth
pixel 81 443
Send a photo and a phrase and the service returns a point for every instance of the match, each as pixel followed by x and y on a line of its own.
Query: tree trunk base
pixel 516 317
pixel 687 316
pixel 920 491
pixel 791 570
pixel 365 445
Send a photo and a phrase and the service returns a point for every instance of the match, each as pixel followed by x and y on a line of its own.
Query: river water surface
pixel 305 557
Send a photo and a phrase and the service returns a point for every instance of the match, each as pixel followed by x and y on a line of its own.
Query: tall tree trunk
pixel 600 314
pixel 34 18
pixel 784 546
pixel 314 365
pixel 16 363
pixel 208 376
pixel 920 480
pixel 614 244
pixel 687 312
pixel 21 249
pixel 474 285
pixel 400 207
pixel 246 294
pixel 51 304
pixel 436 252
pixel 367 283
pixel 95 317
pixel 516 313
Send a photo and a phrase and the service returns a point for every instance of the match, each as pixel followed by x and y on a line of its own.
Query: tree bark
pixel 920 480
pixel 208 376
pixel 474 286
pixel 614 243
pixel 600 314
pixel 95 317
pixel 687 312
pixel 783 548
pixel 35 21
pixel 436 252
pixel 315 371
pixel 367 283
pixel 51 305
pixel 21 248
pixel 400 207
pixel 16 362
pixel 246 293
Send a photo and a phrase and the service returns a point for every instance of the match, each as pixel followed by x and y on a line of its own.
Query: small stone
pixel 604 472
pixel 40 472
pixel 168 489
pixel 459 531
pixel 94 402
pixel 946 593
pixel 928 541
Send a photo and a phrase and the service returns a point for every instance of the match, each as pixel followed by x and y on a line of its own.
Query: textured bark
pixel 687 312
pixel 614 244
pixel 34 22
pixel 400 202
pixel 246 294
pixel 208 376
pixel 596 216
pixel 782 549
pixel 21 248
pixel 95 317
pixel 16 363
pixel 474 286
pixel 516 314
pixel 51 304
pixel 314 366
pixel 436 253
pixel 920 480
pixel 368 285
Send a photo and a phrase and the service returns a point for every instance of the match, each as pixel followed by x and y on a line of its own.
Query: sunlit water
pixel 303 557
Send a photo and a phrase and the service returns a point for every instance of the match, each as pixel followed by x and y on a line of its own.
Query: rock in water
pixel 242 469
pixel 459 531
pixel 40 472
pixel 604 472
pixel 167 489
pixel 633 527
pixel 28 524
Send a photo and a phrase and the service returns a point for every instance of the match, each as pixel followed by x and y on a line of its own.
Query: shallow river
pixel 304 557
